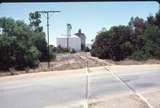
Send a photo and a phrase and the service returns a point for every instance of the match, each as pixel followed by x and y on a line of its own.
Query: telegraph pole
pixel 48 39
pixel 47 12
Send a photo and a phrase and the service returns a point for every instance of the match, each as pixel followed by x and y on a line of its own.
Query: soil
pixel 77 61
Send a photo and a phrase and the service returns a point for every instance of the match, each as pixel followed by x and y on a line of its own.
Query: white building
pixel 74 42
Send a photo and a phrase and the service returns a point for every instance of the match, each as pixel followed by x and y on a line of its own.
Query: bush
pixel 52 55
pixel 52 52
pixel 40 43
pixel 140 55
pixel 32 57
pixel 86 49
pixel 152 41
pixel 16 54
pixel 73 51
pixel 59 49
pixel 114 44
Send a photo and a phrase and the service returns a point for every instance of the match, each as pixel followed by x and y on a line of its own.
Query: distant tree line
pixel 139 40
pixel 22 45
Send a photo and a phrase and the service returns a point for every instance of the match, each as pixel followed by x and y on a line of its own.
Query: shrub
pixel 152 40
pixel 73 51
pixel 114 44
pixel 86 49
pixel 59 49
pixel 140 55
pixel 16 54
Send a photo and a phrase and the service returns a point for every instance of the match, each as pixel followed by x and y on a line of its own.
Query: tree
pixel 138 25
pixel 99 46
pixel 157 19
pixel 35 21
pixel 16 47
pixel 152 41
pixel 8 25
pixel 139 40
pixel 150 20
pixel 114 44
pixel 39 39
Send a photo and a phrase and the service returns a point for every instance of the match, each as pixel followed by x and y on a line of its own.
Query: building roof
pixel 73 36
pixel 80 34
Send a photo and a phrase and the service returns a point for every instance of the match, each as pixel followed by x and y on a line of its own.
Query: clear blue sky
pixel 91 17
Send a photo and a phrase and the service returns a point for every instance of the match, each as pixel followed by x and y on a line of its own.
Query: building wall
pixel 74 43
pixel 83 41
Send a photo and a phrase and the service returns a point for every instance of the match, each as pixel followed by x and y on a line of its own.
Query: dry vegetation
pixel 76 61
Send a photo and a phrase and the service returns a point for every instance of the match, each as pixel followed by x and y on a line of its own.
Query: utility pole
pixel 47 12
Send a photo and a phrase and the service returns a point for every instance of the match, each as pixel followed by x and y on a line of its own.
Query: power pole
pixel 47 12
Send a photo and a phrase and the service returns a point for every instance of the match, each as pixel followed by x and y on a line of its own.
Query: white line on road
pixel 86 90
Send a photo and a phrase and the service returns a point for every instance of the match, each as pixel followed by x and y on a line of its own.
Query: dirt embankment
pixel 77 61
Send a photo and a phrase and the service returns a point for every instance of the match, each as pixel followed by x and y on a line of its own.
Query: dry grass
pixel 77 61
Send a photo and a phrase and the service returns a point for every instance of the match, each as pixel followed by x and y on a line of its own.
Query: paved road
pixel 62 90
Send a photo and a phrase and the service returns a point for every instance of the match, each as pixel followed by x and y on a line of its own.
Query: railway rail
pixel 85 58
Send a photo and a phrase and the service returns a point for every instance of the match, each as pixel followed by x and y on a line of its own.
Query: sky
pixel 90 17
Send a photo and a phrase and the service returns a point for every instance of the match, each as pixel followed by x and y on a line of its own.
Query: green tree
pixel 151 20
pixel 16 47
pixel 114 44
pixel 157 19
pixel 39 41
pixel 137 25
pixel 35 21
pixel 139 40
pixel 8 25
pixel 152 41
pixel 38 38
pixel 99 48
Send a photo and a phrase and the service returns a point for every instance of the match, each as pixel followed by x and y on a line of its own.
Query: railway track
pixel 141 97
